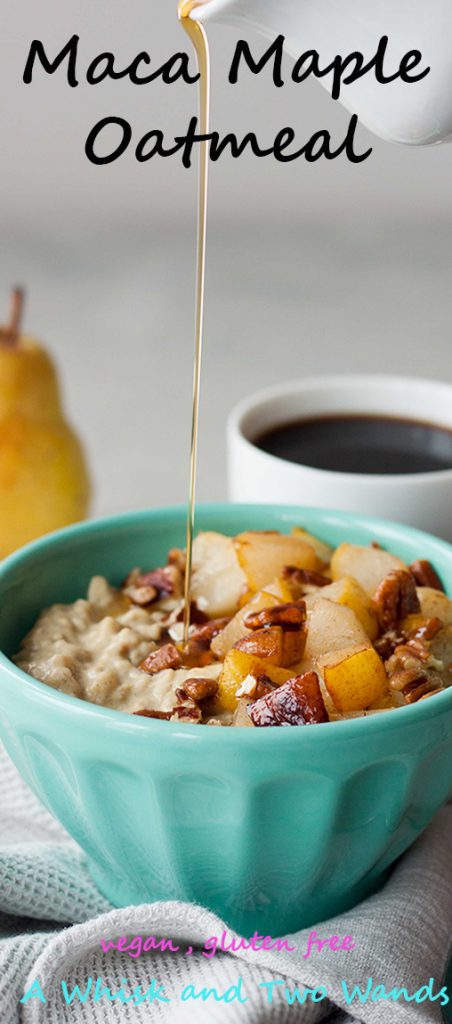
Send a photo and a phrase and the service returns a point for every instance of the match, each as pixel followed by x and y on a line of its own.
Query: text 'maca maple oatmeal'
pixel 284 631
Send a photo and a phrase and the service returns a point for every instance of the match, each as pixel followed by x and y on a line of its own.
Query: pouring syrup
pixel 198 37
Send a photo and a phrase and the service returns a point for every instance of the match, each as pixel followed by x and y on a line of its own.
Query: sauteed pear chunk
pixel 217 579
pixel 332 627
pixel 238 665
pixel 368 565
pixel 441 649
pixel 236 628
pixel 322 550
pixel 435 605
pixel 262 556
pixel 347 591
pixel 241 717
pixel 355 679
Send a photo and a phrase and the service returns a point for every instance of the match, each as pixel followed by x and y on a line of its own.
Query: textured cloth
pixel 52 919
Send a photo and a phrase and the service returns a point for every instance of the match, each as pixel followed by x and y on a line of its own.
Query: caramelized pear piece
pixel 297 702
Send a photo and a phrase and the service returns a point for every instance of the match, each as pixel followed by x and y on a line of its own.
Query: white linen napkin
pixel 52 921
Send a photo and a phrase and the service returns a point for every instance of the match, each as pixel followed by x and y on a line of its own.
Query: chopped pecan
pixel 425 575
pixel 206 631
pixel 394 598
pixel 198 689
pixel 288 616
pixel 386 644
pixel 414 693
pixel 164 657
pixel 248 687
pixel 181 695
pixel 165 580
pixel 147 713
pixel 419 688
pixel 297 702
pixel 141 596
pixel 281 647
pixel 255 687
pixel 131 578
pixel 426 630
pixel 263 643
pixel 414 654
pixel 413 649
pixel 189 712
pixel 300 576
pixel 414 683
pixel 407 677
pixel 432 693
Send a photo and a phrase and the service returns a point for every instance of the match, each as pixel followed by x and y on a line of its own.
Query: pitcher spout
pixel 416 111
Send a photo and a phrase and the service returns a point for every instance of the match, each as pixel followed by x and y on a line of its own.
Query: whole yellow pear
pixel 44 482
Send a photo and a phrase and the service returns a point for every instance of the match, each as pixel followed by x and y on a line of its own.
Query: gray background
pixel 312 267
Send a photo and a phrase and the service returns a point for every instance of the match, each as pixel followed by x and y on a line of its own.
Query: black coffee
pixel 361 444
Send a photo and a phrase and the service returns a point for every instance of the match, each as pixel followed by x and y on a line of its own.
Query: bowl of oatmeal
pixel 274 762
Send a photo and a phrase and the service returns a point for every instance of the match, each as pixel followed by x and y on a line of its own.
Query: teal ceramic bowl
pixel 271 828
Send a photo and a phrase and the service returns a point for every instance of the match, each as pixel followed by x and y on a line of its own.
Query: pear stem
pixel 10 334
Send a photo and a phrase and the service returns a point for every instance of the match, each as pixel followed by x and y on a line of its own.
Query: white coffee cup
pixel 418 499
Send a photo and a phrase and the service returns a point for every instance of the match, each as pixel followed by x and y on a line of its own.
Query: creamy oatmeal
pixel 284 631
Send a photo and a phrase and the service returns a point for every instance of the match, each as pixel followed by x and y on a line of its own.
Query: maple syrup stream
pixel 198 37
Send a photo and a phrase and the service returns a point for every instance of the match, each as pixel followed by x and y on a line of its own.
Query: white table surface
pixel 116 309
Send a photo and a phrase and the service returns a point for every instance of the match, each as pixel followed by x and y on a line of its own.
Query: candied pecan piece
pixel 427 630
pixel 198 689
pixel 297 702
pixel 416 691
pixel 281 647
pixel 425 575
pixel 263 643
pixel 206 631
pixel 394 598
pixel 164 657
pixel 289 616
pixel 147 713
pixel 300 576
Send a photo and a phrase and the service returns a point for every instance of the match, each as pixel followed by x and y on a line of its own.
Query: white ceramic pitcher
pixel 418 113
